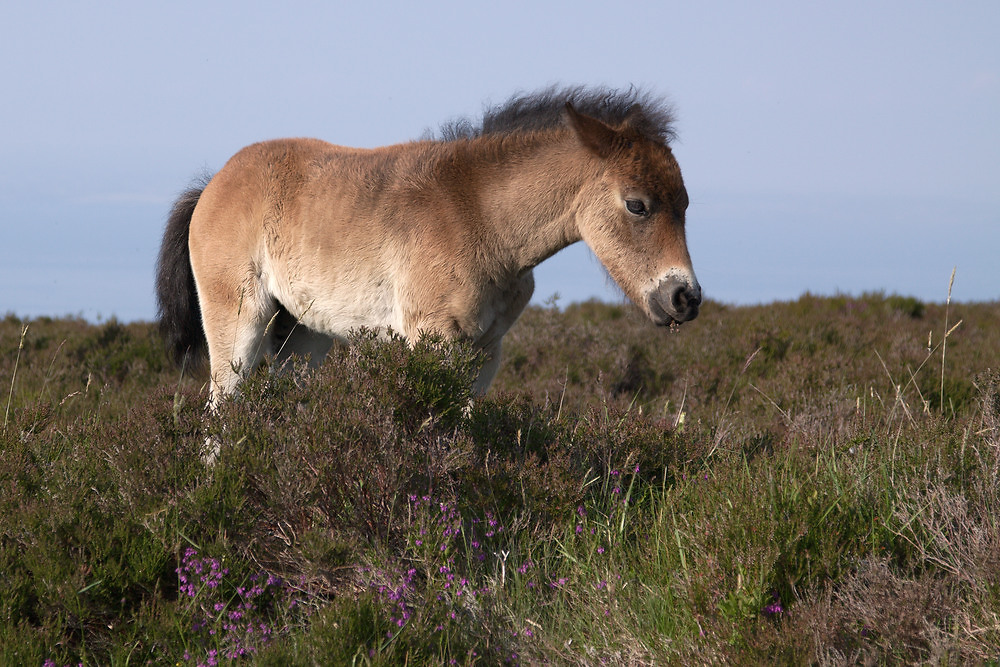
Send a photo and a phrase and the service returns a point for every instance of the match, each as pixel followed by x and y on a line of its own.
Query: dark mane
pixel 545 109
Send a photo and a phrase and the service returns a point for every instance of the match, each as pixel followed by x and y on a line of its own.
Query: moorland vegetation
pixel 811 481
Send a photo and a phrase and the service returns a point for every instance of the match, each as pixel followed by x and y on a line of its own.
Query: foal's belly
pixel 339 308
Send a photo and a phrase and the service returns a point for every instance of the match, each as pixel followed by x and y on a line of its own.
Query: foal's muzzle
pixel 673 300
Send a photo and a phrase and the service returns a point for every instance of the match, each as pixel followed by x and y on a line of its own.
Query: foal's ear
pixel 595 135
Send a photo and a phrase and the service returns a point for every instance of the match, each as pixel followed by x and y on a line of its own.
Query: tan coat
pixel 430 236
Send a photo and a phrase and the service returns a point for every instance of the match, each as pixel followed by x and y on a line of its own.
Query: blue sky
pixel 837 147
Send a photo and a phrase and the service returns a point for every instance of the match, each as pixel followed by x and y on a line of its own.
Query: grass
pixel 802 482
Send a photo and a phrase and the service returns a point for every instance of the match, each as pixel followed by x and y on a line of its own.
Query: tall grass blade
pixel 944 343
pixel 13 376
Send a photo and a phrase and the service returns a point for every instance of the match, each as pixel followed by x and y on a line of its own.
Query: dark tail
pixel 177 300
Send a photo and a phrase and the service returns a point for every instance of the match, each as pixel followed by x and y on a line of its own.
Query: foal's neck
pixel 530 197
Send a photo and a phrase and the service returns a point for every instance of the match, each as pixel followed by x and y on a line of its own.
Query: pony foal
pixel 430 236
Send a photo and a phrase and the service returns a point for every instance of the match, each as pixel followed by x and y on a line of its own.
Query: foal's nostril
pixel 679 298
pixel 683 298
pixel 675 300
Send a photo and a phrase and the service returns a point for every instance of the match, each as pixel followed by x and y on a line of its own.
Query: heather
pixel 803 482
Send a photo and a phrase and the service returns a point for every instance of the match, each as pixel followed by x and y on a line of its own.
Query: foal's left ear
pixel 595 135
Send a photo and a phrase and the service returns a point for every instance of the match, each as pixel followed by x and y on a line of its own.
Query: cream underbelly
pixel 336 309
pixel 339 300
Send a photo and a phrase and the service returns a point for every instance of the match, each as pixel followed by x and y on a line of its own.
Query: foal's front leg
pixel 505 308
pixel 512 304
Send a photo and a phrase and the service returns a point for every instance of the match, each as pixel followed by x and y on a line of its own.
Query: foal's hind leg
pixel 236 327
pixel 236 322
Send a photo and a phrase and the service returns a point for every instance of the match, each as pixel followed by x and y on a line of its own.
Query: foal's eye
pixel 635 206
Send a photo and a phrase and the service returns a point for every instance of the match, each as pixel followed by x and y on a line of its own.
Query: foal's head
pixel 632 215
